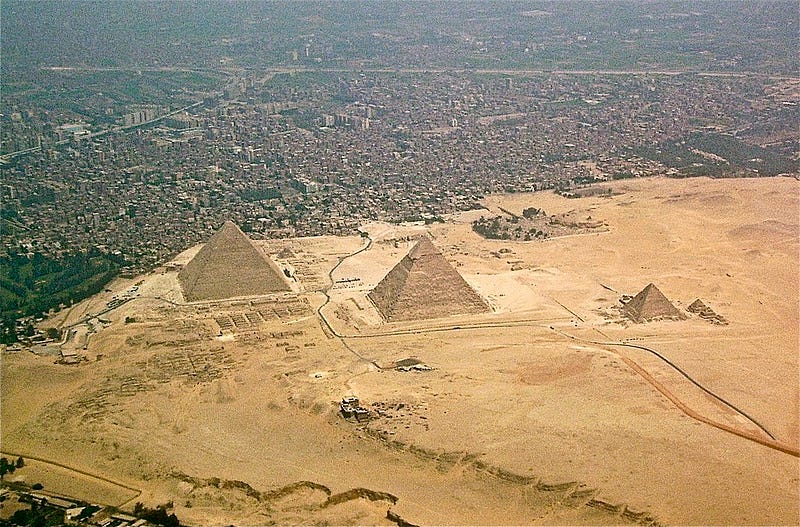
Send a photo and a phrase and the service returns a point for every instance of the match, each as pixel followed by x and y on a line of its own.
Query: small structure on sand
pixel 411 364
pixel 350 408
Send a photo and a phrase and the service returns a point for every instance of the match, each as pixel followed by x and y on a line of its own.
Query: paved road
pixel 87 318
pixel 328 299
pixel 770 442
pixel 6 157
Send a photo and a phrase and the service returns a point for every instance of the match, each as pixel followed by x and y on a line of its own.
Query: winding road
pixel 325 292
pixel 770 442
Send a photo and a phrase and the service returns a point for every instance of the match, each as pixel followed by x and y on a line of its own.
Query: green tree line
pixel 32 284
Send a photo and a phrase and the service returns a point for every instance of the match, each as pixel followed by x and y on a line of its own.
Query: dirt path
pixel 80 472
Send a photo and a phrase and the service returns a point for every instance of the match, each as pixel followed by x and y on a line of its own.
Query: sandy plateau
pixel 548 409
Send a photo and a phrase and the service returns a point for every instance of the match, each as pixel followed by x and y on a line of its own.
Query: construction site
pixel 644 373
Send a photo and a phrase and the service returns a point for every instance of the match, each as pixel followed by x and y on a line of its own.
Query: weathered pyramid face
pixel 700 308
pixel 424 285
pixel 651 304
pixel 227 266
pixel 697 306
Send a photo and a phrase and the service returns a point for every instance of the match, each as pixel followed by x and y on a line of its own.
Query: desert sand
pixel 551 408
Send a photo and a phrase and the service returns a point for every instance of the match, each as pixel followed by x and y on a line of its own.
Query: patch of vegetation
pixel 38 516
pixel 534 224
pixel 7 467
pixel 158 515
pixel 32 284
pixel 499 228
pixel 531 212
pixel 713 154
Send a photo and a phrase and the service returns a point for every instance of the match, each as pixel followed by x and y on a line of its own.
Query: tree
pixel 531 212
pixel 9 333
pixel 20 462
pixel 6 468
pixel 158 515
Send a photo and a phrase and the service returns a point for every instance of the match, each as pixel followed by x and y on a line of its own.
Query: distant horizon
pixel 267 34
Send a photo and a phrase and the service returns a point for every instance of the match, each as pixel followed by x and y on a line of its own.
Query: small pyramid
pixel 698 307
pixel 424 285
pixel 651 304
pixel 227 266
pixel 286 254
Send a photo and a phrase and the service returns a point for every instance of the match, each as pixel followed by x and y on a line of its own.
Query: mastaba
pixel 651 304
pixel 229 265
pixel 424 285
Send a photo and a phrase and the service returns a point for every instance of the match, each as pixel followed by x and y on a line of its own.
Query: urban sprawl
pixel 309 153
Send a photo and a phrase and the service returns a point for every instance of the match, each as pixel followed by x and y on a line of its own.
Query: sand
pixel 538 413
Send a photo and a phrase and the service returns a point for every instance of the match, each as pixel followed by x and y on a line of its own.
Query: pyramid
pixel 227 266
pixel 651 304
pixel 698 307
pixel 424 285
pixel 286 254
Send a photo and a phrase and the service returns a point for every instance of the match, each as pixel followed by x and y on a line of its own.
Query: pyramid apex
pixel 229 226
pixel 697 304
pixel 423 247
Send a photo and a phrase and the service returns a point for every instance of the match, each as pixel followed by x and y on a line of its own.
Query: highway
pixel 422 70
pixel 7 157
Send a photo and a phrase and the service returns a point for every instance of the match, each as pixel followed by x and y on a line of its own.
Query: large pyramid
pixel 651 304
pixel 424 285
pixel 227 266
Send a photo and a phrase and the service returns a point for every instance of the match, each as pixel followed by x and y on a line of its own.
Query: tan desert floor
pixel 532 415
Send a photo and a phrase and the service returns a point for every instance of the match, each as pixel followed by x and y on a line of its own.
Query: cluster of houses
pixel 74 512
